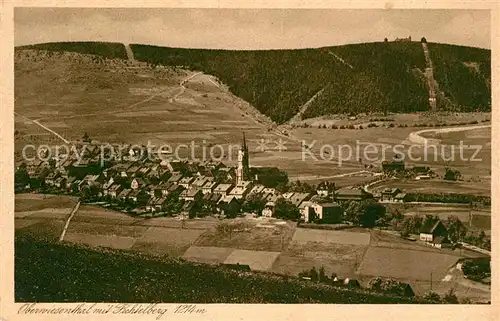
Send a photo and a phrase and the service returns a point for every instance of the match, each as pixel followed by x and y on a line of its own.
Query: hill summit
pixel 400 76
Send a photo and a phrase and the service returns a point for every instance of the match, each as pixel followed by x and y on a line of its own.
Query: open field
pixel 141 278
pixel 264 244
pixel 302 236
pixel 385 142
pixel 257 260
pixel 109 241
pixel 409 119
pixel 34 202
pixel 207 254
pixel 167 241
pixel 436 186
pixel 405 264
pixel 106 229
pixel 481 219
pixel 257 235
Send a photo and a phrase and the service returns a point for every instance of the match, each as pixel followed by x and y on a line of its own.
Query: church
pixel 243 169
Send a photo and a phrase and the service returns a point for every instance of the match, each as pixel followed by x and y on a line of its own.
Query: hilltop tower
pixel 243 169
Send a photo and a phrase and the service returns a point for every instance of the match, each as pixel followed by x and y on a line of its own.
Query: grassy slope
pixel 384 77
pixel 52 272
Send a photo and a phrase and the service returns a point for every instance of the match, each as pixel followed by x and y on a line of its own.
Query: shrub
pixel 432 297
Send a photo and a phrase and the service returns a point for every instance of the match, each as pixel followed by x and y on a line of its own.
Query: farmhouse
pixel 50 179
pixel 201 180
pixel 191 194
pixel 186 182
pixel 69 183
pixel 59 182
pixel 298 198
pixel 124 194
pixel 137 183
pixel 352 194
pixel 305 210
pixel 240 190
pixel 268 210
pixel 114 190
pixel 430 232
pixel 164 188
pixel 156 204
pixel 229 204
pixel 325 189
pixel 257 189
pixel 328 212
pixel 393 166
pixel 132 170
pixel 223 189
pixel 400 197
pixel 389 194
pixel 209 187
pixel 175 178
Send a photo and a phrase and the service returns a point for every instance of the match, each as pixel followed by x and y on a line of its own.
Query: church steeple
pixel 244 147
pixel 243 169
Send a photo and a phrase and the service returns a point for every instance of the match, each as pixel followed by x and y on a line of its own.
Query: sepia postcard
pixel 242 161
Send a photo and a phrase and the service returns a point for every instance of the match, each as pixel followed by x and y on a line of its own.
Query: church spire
pixel 244 147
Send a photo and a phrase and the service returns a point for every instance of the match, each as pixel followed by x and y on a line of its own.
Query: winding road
pixel 183 88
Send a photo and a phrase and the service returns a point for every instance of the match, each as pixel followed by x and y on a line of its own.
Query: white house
pixel 268 210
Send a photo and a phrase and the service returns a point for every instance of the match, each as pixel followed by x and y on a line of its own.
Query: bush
pixel 432 297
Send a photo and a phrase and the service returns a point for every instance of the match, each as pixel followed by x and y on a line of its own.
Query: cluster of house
pixel 146 185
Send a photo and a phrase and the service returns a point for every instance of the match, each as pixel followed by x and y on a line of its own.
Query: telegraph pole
pixel 431 281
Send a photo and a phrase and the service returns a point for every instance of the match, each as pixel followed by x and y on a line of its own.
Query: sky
pixel 246 29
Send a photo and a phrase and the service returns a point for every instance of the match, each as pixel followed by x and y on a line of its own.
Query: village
pixel 188 189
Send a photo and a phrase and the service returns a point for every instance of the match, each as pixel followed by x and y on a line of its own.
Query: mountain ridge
pixel 355 78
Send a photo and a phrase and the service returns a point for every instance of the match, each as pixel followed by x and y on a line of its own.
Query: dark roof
pixel 330 204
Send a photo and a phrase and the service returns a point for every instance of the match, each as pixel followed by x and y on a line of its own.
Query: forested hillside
pixel 104 49
pixel 464 75
pixel 369 77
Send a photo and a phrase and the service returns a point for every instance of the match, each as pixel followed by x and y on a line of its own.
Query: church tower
pixel 243 169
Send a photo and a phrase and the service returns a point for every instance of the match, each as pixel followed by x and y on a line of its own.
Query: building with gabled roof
pixel 430 230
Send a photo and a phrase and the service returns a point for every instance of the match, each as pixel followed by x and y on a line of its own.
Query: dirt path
pixel 183 88
pixel 303 108
pixel 416 138
pixel 44 127
pixel 73 212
